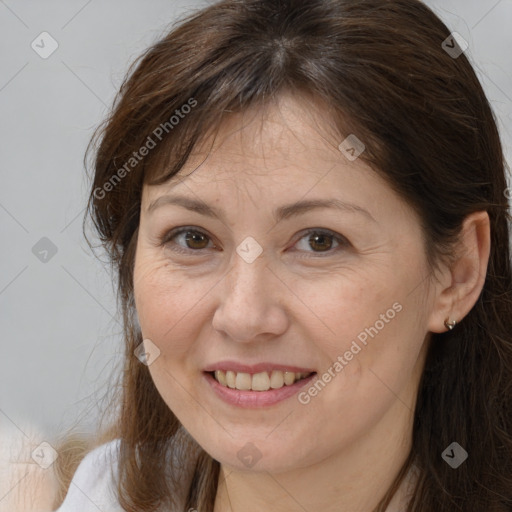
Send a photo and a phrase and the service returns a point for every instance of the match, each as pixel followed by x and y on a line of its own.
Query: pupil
pixel 314 239
pixel 193 236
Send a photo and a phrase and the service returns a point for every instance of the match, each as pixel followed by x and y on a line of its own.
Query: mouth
pixel 261 381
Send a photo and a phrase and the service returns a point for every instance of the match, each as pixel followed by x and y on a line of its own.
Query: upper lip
pixel 255 368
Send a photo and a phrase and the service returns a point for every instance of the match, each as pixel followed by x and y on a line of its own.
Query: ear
pixel 460 285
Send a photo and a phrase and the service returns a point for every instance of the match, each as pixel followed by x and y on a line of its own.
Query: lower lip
pixel 255 399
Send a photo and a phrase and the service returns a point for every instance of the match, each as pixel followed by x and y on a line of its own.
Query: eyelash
pixel 167 238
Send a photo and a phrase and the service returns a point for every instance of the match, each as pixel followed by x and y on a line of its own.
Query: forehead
pixel 262 161
pixel 292 139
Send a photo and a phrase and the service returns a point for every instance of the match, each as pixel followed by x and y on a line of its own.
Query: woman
pixel 305 203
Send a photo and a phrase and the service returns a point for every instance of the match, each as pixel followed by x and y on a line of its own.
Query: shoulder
pixel 24 484
pixel 94 484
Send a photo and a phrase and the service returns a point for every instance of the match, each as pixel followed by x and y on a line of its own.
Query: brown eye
pixel 196 240
pixel 321 241
pixel 186 240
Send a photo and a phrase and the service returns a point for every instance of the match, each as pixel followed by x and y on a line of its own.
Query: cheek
pixel 167 303
pixel 338 309
pixel 370 324
pixel 361 380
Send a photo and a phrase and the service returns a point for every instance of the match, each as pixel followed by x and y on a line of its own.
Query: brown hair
pixel 428 129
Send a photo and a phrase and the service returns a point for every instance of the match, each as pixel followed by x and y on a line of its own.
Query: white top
pixel 93 486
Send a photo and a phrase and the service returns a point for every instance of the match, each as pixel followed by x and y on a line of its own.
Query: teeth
pixel 243 381
pixel 230 378
pixel 276 380
pixel 221 377
pixel 262 381
pixel 289 378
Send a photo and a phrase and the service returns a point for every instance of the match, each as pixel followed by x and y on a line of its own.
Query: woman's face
pixel 261 286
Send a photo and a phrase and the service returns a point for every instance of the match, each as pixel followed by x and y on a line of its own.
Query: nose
pixel 251 306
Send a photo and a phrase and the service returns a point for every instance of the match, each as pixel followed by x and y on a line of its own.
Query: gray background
pixel 59 328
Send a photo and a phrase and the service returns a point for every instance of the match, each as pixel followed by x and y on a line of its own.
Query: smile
pixel 262 381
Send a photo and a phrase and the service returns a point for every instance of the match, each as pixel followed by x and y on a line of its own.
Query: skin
pixel 298 305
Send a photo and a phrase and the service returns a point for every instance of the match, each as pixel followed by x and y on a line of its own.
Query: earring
pixel 450 325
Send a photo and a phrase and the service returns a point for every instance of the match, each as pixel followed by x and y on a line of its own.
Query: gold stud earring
pixel 450 325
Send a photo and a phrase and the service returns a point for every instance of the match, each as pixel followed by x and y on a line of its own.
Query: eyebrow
pixel 283 212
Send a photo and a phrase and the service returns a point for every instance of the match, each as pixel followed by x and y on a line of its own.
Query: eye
pixel 195 240
pixel 322 241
